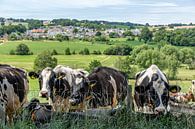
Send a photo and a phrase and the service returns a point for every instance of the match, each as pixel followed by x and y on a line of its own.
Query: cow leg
pixel 2 114
pixel 66 105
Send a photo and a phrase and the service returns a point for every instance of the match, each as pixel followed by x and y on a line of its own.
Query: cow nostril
pixel 44 93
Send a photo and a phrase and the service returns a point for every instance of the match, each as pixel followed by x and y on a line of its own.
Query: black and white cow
pixel 152 90
pixel 57 84
pixel 13 91
pixel 102 88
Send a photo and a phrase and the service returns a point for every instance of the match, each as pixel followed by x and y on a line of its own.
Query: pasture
pixel 122 120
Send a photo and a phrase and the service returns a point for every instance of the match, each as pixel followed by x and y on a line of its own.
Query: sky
pixel 136 11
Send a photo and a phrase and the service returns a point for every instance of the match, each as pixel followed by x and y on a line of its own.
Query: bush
pixel 101 39
pixel 67 51
pixel 61 37
pixel 23 49
pixel 54 52
pixel 74 52
pixel 44 60
pixel 118 50
pixel 12 52
pixel 84 52
pixel 97 52
pixel 93 64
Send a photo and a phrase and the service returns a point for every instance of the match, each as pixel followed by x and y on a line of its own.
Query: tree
pixel 86 51
pixel 67 51
pixel 113 35
pixel 98 33
pixel 93 64
pixel 61 37
pixel 44 60
pixel 148 57
pixel 146 35
pixel 22 49
pixel 118 50
pixel 75 30
pixel 172 66
pixel 125 66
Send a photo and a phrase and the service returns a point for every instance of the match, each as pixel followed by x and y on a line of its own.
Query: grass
pixel 39 46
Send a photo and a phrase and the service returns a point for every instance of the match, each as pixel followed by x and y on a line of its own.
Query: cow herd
pixel 70 89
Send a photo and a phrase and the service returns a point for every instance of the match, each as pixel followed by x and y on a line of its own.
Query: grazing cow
pixel 101 88
pixel 13 91
pixel 152 90
pixel 57 84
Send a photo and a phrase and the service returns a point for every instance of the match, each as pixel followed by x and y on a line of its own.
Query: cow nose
pixel 160 110
pixel 44 93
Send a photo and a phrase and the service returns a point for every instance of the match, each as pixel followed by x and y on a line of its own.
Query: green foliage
pixel 67 51
pixel 54 52
pixel 97 52
pixel 118 50
pixel 12 37
pixel 60 37
pixel 113 35
pixel 34 24
pixel 126 66
pixel 131 38
pixel 11 29
pixel 85 52
pixel 98 33
pixel 146 35
pixel 148 57
pixel 127 33
pixel 12 52
pixel 93 64
pixel 22 49
pixel 44 60
pixel 101 39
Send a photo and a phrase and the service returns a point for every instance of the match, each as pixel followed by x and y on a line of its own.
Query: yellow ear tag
pixel 92 85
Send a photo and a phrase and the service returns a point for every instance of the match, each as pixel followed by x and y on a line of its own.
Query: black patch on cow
pixel 16 79
pixel 5 87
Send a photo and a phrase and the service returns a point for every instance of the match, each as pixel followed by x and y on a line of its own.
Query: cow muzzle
pixel 44 94
pixel 160 110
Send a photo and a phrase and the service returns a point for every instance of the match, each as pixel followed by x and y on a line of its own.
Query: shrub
pixel 97 52
pixel 101 39
pixel 74 52
pixel 12 52
pixel 118 50
pixel 93 64
pixel 22 49
pixel 54 52
pixel 84 52
pixel 67 51
pixel 44 60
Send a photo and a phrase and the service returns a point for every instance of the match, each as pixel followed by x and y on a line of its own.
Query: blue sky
pixel 137 11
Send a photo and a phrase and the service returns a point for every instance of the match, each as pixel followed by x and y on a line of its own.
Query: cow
pixel 57 85
pixel 13 91
pixel 151 91
pixel 180 97
pixel 103 87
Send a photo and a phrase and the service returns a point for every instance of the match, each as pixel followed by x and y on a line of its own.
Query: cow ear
pixel 141 89
pixel 174 88
pixel 33 75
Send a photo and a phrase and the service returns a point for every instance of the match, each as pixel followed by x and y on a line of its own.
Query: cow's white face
pixel 44 81
pixel 160 95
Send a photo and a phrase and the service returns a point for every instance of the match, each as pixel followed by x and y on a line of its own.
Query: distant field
pixel 39 46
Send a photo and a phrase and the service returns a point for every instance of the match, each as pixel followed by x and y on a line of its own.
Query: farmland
pixel 82 61
pixel 75 61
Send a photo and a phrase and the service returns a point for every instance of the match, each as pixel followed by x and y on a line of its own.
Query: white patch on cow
pixel 46 73
pixel 193 87
pixel 113 82
pixel 149 72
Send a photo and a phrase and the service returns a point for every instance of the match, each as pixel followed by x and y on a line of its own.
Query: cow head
pixel 157 91
pixel 82 91
pixel 46 81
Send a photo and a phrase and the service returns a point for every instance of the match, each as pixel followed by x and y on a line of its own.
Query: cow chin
pixel 74 101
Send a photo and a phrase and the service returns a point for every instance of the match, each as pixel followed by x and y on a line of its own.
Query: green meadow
pixel 75 61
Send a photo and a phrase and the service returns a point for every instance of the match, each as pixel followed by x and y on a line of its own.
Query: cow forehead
pixel 159 86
